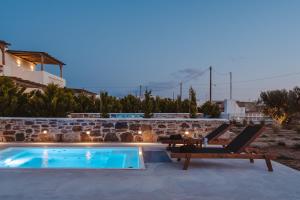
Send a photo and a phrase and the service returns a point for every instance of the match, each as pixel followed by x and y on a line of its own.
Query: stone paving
pixel 206 179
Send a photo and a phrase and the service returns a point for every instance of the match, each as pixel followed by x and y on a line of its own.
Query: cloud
pixel 189 74
pixel 183 75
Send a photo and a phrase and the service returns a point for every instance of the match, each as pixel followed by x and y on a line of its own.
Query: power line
pixel 265 78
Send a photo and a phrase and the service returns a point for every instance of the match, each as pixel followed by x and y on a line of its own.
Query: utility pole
pixel 210 83
pixel 230 75
pixel 173 96
pixel 180 90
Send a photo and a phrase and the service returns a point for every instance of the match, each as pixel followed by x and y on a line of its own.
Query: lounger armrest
pixel 253 150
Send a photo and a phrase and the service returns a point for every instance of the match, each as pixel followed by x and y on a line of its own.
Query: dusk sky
pixel 117 45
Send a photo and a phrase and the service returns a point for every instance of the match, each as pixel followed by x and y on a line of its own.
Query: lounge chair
pixel 236 149
pixel 212 137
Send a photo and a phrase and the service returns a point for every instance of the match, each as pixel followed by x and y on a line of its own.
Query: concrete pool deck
pixel 206 179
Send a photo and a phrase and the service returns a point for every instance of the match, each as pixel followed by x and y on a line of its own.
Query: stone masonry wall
pixel 98 130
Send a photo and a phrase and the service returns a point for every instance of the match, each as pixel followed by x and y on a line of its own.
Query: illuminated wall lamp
pixel 139 132
pixel 186 132
pixel 88 132
pixel 18 63
pixel 45 131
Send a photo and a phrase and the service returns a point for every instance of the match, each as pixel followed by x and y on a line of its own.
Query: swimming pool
pixel 72 157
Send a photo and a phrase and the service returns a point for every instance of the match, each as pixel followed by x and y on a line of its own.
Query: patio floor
pixel 206 179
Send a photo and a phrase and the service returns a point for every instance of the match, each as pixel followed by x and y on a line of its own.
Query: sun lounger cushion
pixel 216 132
pixel 246 136
pixel 200 150
pixel 176 137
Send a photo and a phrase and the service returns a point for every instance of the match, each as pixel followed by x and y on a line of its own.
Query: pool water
pixel 72 157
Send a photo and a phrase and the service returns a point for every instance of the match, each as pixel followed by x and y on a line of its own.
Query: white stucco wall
pixel 0 57
pixel 26 71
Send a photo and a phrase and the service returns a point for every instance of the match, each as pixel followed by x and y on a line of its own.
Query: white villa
pixel 26 68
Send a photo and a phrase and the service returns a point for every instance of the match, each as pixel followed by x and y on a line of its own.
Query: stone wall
pixel 99 130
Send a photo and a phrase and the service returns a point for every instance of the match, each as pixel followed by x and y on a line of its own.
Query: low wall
pixel 99 130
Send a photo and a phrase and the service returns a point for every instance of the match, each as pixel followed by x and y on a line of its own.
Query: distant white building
pixel 27 68
pixel 240 111
pixel 233 110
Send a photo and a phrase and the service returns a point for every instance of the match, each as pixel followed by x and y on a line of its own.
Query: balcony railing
pixel 41 77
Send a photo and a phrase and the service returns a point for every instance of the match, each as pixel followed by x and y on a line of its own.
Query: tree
pixel 53 101
pixel 275 104
pixel 193 103
pixel 104 104
pixel 147 105
pixel 9 93
pixel 210 110
pixel 130 104
pixel 281 105
pixel 85 103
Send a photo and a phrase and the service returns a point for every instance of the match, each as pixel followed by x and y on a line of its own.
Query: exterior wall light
pixel 88 132
pixel 18 63
pixel 45 131
pixel 139 132
pixel 31 67
pixel 186 132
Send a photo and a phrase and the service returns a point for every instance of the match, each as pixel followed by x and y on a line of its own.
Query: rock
pixel 111 137
pixel 9 132
pixel 107 125
pixel 28 131
pixel 126 137
pixel 97 139
pixel 85 137
pixel 46 137
pixel 77 128
pixel 9 138
pixel 59 137
pixel 121 125
pixel 134 127
pixel 28 122
pixel 196 125
pixel 72 137
pixel 138 138
pixel 185 125
pixel 160 132
pixel 7 126
pixel 64 131
pixel 20 137
pixel 146 127
pixel 161 126
pixel 96 133
pixel 149 136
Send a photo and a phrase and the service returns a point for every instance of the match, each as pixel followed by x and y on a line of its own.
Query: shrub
pixel 193 103
pixel 147 105
pixel 210 110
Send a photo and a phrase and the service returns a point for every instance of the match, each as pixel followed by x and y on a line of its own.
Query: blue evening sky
pixel 116 45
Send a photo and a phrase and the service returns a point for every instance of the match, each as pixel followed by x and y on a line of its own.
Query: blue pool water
pixel 126 115
pixel 71 157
